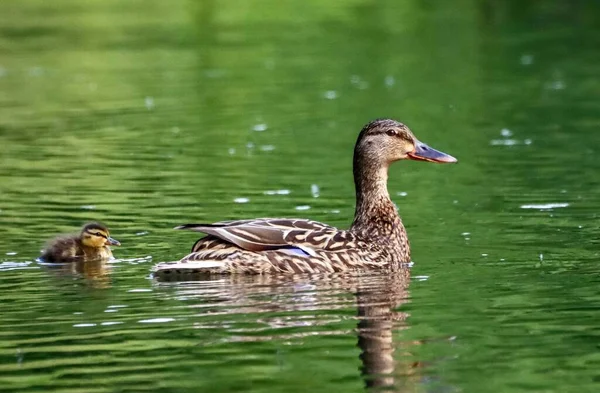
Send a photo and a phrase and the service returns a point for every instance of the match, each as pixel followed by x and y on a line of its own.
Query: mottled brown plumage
pixel 377 238
pixel 92 243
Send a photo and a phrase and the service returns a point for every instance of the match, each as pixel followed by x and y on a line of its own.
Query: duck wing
pixel 270 233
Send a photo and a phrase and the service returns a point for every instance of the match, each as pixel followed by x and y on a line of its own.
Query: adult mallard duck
pixel 92 243
pixel 376 239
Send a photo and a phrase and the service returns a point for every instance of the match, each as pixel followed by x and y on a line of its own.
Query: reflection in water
pixel 96 274
pixel 376 298
pixel 378 320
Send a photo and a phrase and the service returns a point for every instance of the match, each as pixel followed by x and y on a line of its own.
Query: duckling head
pixel 96 235
pixel 385 141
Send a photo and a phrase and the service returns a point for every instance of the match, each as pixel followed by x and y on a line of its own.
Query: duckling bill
pixel 91 244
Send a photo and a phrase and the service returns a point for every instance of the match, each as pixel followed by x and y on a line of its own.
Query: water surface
pixel 146 115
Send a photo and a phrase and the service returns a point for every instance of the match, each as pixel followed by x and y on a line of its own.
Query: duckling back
pixel 63 249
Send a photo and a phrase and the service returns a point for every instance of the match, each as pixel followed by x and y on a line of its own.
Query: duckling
pixel 91 244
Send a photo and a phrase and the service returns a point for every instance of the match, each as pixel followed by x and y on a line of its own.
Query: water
pixel 149 115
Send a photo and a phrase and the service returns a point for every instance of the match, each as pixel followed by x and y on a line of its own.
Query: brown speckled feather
pixel 377 238
pixel 262 234
pixel 63 249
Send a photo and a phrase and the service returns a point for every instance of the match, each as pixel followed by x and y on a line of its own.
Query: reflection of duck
pixel 92 243
pixel 378 322
pixel 313 305
pixel 376 238
pixel 95 274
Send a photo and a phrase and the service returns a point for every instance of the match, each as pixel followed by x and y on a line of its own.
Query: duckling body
pixel 93 243
pixel 376 239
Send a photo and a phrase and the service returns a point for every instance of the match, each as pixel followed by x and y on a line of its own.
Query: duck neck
pixel 376 215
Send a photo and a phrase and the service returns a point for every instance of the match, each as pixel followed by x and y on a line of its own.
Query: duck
pixel 91 244
pixel 375 240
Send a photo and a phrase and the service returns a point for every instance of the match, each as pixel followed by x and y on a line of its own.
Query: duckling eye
pixel 391 132
pixel 99 234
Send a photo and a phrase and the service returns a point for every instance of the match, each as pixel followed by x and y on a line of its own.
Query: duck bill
pixel 423 152
pixel 113 242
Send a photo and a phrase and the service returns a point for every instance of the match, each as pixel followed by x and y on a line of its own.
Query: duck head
pixel 96 235
pixel 385 141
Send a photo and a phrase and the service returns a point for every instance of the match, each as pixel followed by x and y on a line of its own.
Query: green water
pixel 149 114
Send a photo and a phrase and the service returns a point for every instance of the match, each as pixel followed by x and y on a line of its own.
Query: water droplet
pixel 11 253
pixel 303 207
pixel 527 60
pixel 484 255
pixel 149 102
pixel 259 127
pixel 109 323
pixel 505 132
pixel 402 193
pixel 231 151
pixel 390 81
pixel 84 325
pixel 314 190
pixel 241 200
pixel 556 85
pixel 142 233
pixel 87 207
pixel 358 82
pixel 331 94
pixel 277 192
pixel 157 320
pixel 504 142
pixel 267 148
pixel 542 206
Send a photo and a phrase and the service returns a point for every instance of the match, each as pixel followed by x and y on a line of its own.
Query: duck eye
pixel 99 234
pixel 391 132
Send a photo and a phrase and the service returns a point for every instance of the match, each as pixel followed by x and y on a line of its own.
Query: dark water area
pixel 149 114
